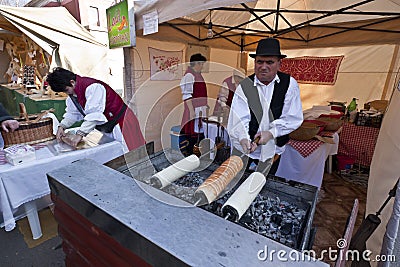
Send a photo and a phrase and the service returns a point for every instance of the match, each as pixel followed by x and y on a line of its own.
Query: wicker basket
pixel 321 124
pixel 331 123
pixel 305 132
pixel 30 132
pixel 379 105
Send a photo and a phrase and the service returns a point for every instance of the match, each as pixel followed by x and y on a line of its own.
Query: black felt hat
pixel 198 58
pixel 268 47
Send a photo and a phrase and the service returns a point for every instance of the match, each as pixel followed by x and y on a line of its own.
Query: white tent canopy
pixel 365 32
pixel 58 33
pixel 371 25
pixel 238 25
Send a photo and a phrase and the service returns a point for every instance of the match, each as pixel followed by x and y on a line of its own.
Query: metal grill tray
pixel 301 195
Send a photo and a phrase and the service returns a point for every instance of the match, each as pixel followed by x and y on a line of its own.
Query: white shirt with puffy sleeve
pixel 290 119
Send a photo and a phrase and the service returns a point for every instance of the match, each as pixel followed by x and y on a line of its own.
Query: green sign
pixel 121 33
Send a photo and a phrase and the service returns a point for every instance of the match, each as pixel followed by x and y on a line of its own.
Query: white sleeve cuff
pixel 96 117
pixel 87 126
pixel 66 122
pixel 273 131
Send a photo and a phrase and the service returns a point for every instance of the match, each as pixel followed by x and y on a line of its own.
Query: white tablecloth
pixel 26 182
pixel 308 170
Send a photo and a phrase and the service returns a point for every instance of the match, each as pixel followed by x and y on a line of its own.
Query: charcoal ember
pixel 190 180
pixel 277 219
pixel 286 229
pixel 269 216
pixel 215 206
pixel 185 187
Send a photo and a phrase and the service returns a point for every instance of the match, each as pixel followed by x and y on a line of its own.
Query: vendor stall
pixel 11 96
pixel 24 187
pixel 34 40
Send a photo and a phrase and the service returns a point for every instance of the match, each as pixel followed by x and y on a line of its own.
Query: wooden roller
pixel 175 171
pixel 241 199
pixel 218 180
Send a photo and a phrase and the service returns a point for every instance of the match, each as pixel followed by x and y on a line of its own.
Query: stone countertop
pixel 189 234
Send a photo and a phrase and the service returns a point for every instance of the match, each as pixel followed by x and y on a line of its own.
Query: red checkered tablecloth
pixel 306 148
pixel 358 142
pixel 3 159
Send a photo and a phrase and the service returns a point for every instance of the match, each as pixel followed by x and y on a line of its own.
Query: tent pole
pixel 241 42
pixel 242 54
pixel 129 87
pixel 389 77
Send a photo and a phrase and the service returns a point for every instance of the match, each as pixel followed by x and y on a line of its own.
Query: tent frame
pixel 228 31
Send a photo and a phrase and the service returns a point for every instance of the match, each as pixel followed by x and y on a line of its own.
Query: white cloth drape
pixel 391 240
pixel 26 182
pixel 310 170
pixel 384 172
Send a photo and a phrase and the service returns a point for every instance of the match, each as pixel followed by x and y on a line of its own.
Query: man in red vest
pixel 98 105
pixel 194 96
pixel 227 91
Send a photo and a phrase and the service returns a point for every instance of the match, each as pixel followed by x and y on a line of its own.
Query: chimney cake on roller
pixel 175 171
pixel 212 187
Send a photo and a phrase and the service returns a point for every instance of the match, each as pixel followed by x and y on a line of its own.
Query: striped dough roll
pixel 219 179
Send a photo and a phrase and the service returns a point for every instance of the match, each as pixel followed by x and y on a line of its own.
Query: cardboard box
pixel 19 154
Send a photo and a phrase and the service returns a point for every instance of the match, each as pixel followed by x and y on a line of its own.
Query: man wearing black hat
pixel 266 105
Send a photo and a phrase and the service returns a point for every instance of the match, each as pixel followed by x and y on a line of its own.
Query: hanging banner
pixel 314 70
pixel 165 65
pixel 121 25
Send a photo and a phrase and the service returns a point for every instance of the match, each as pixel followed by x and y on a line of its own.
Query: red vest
pixel 232 89
pixel 199 99
pixel 128 122
pixel 114 102
pixel 199 89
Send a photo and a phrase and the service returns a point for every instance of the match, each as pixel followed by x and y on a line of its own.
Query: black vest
pixel 276 106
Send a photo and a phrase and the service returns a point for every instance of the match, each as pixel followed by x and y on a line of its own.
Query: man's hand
pixel 60 133
pixel 10 124
pixel 265 136
pixel 72 139
pixel 246 145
